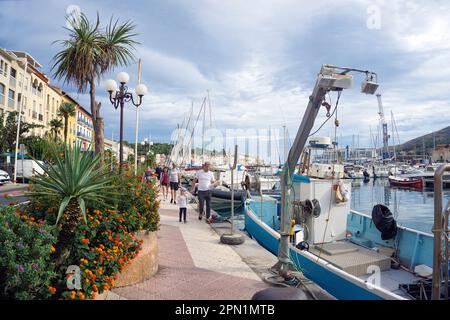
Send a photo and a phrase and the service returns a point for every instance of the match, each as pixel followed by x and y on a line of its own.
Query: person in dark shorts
pixel 174 179
pixel 158 171
pixel 164 181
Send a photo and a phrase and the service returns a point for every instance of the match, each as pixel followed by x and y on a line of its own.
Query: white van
pixel 30 168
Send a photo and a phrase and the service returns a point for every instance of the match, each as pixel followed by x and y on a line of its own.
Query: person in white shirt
pixel 174 182
pixel 204 180
pixel 182 204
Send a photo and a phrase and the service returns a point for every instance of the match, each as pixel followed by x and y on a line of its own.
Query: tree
pixel 8 131
pixel 66 110
pixel 55 126
pixel 88 54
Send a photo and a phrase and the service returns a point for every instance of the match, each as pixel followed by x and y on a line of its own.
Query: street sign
pixel 23 149
pixel 8 159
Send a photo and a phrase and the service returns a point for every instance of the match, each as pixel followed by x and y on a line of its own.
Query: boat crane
pixel 385 128
pixel 330 78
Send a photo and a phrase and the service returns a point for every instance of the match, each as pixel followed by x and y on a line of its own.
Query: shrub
pixel 138 201
pixel 26 270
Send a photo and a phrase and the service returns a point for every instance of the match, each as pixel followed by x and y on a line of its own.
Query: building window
pixel 48 102
pixel 11 96
pixel 12 78
pixel 39 90
pixel 2 93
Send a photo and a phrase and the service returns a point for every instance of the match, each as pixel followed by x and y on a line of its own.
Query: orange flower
pixel 52 249
pixel 85 241
pixel 94 295
pixel 81 295
pixel 72 295
pixel 52 290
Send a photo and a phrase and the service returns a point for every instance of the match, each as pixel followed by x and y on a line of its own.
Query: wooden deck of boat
pixel 363 263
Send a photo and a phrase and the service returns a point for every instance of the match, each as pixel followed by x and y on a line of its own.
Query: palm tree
pixel 88 54
pixel 55 126
pixel 66 110
pixel 74 180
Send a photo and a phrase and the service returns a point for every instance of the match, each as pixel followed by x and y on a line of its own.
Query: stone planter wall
pixel 145 265
pixel 142 267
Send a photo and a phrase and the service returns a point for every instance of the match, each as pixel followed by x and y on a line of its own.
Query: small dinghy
pixel 221 199
pixel 406 182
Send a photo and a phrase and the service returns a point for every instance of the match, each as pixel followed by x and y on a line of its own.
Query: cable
pixel 329 117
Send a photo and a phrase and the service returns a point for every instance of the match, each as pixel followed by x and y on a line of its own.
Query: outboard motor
pixel 384 221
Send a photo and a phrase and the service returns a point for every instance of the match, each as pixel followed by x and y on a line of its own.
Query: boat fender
pixel 341 193
pixel 303 245
pixel 384 221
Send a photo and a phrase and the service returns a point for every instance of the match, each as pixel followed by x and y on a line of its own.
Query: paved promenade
pixel 193 264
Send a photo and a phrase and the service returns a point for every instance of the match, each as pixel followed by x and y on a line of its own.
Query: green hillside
pixel 429 140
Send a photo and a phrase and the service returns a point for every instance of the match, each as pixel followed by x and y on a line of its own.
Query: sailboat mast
pixel 203 135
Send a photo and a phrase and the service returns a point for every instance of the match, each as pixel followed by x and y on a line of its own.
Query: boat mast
pixel 385 128
pixel 393 136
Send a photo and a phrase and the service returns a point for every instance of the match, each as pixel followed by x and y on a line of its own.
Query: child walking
pixel 182 200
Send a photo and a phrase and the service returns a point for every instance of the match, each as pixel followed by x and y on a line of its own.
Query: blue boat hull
pixel 338 283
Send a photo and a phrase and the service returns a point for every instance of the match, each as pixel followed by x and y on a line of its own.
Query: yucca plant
pixel 74 179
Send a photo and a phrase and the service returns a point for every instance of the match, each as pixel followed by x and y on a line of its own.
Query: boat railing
pixel 399 227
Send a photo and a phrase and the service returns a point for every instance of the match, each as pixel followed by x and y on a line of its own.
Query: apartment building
pixel 85 127
pixel 24 87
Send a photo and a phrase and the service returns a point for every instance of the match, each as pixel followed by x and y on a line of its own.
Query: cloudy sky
pixel 259 59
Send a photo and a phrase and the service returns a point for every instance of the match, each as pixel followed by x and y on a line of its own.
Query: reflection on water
pixel 411 208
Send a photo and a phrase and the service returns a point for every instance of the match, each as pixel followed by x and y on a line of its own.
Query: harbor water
pixel 411 208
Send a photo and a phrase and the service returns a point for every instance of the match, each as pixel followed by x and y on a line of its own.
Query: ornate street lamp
pixel 118 97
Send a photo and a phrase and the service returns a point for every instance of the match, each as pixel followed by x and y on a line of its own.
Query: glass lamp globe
pixel 141 90
pixel 110 85
pixel 123 77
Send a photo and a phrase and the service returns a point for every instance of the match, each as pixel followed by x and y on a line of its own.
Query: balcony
pixel 85 122
pixel 12 81
pixel 83 136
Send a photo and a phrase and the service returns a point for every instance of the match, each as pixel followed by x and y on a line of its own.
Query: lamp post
pixel 150 143
pixel 118 97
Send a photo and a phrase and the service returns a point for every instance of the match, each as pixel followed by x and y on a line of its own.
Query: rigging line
pixel 188 124
pixel 331 115
pixel 196 121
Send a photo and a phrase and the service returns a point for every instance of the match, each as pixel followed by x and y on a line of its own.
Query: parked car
pixel 4 177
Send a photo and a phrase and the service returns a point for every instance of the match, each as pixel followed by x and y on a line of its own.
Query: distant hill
pixel 416 145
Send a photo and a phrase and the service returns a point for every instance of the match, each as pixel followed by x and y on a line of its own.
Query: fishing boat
pixel 352 255
pixel 403 182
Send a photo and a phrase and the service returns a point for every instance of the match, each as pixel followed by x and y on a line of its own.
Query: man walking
pixel 204 179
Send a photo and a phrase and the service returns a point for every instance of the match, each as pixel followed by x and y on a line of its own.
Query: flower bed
pixel 100 248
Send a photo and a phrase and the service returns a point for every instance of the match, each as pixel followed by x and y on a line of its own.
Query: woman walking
pixel 165 182
pixel 174 181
